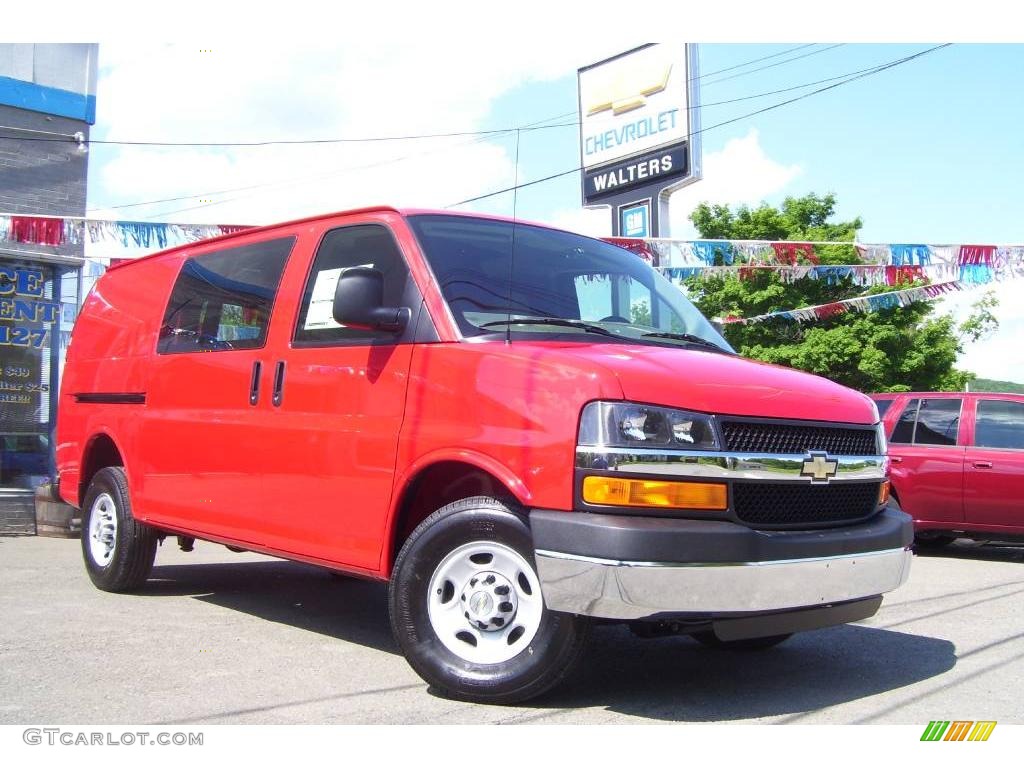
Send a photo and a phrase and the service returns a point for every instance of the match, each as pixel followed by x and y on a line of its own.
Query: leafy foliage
pixel 993 385
pixel 896 349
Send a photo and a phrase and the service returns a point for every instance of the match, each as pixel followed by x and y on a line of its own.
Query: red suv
pixel 957 462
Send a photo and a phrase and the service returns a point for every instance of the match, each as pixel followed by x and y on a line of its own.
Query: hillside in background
pixel 991 385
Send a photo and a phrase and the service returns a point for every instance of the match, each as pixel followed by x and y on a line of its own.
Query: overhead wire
pixel 753 61
pixel 477 137
pixel 869 73
pixel 776 64
pixel 506 131
pixel 330 174
pixel 323 175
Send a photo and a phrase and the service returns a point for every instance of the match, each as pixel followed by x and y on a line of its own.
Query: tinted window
pixel 904 430
pixel 366 245
pixel 883 406
pixel 928 422
pixel 222 300
pixel 999 424
pixel 937 422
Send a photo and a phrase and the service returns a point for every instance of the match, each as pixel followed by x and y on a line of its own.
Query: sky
pixel 930 151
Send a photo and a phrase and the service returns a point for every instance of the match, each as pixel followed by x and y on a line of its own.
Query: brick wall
pixel 41 177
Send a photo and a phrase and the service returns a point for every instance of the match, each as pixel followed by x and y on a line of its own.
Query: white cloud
pixel 740 173
pixel 181 93
pixel 586 221
pixel 1001 355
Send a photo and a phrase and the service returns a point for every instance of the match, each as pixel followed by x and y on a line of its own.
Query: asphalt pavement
pixel 218 637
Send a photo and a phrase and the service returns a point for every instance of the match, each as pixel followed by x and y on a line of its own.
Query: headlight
pixel 630 425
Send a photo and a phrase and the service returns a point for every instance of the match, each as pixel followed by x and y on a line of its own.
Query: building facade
pixel 47 107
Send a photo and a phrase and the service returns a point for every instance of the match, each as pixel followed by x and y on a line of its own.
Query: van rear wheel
pixel 467 610
pixel 119 551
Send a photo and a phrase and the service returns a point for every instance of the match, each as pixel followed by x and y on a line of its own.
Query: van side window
pixel 222 300
pixel 363 245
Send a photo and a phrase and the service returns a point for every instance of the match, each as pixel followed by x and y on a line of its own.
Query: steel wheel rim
pixel 470 611
pixel 102 529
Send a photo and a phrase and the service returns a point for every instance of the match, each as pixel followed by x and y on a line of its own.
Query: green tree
pixel 891 350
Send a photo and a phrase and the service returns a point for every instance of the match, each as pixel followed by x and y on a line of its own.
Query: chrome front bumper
pixel 616 589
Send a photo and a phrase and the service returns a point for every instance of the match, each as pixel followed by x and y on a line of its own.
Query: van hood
pixel 718 383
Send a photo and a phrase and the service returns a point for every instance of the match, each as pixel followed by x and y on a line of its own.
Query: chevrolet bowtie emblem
pixel 629 90
pixel 819 467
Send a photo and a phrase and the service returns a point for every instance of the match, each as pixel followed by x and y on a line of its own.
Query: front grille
pixel 768 437
pixel 794 505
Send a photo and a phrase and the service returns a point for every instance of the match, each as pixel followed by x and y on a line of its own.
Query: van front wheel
pixel 118 550
pixel 467 610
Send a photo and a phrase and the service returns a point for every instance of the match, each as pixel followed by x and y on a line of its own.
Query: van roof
pixel 319 217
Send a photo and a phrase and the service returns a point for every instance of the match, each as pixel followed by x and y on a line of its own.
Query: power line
pixel 406 137
pixel 328 175
pixel 874 71
pixel 479 136
pixel 506 131
pixel 755 61
pixel 360 140
pixel 785 90
pixel 301 179
pixel 776 64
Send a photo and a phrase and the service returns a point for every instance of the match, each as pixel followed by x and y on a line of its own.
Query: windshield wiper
pixel 690 337
pixel 560 321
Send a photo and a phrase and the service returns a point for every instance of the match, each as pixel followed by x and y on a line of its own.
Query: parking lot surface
pixel 219 637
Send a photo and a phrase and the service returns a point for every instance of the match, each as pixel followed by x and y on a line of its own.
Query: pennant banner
pixel 871 303
pixel 881 264
pixel 108 239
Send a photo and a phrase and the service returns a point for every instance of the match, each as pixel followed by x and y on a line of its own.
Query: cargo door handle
pixel 896 459
pixel 254 384
pixel 983 464
pixel 278 383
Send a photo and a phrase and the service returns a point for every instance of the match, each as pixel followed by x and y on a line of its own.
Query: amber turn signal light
pixel 612 491
pixel 883 493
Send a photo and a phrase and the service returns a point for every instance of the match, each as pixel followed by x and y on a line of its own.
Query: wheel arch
pixel 438 481
pixel 101 451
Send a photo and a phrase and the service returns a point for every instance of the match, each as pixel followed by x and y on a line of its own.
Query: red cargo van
pixel 521 428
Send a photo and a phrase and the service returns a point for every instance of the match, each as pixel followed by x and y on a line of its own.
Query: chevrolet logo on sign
pixel 819 467
pixel 629 90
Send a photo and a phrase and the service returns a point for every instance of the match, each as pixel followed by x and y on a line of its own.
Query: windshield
pixel 553 275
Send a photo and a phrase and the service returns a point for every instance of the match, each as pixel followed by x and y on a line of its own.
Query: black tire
pixel 134 543
pixel 933 541
pixel 711 640
pixel 542 662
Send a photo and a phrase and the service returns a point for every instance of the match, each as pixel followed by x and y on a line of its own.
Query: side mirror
pixel 359 302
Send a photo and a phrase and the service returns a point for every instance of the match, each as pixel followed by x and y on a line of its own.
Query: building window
pixel 38 303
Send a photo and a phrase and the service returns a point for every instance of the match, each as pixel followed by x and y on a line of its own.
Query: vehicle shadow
pixel 965 549
pixel 677 679
pixel 347 608
pixel 671 678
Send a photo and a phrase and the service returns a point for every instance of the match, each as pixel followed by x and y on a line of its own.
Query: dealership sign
pixel 653 167
pixel 637 118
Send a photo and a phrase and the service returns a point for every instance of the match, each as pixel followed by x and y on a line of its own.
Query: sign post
pixel 639 134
